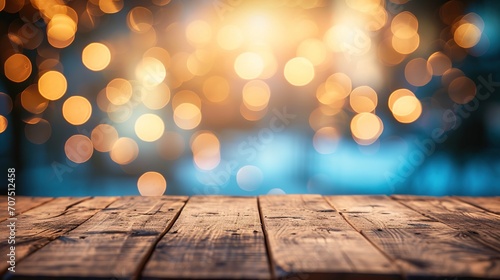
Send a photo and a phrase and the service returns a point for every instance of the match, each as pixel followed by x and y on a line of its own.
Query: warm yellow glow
pixel 366 6
pixel 314 50
pixel 3 123
pixel 440 63
pixel 404 25
pixel 363 99
pixel 366 128
pixel 406 45
pixel 96 56
pixel 76 110
pixel 299 71
pixel 140 19
pixel 206 150
pixel 200 62
pixel 152 184
pixel 187 116
pixel 418 72
pixel 149 127
pixel 119 91
pixel 462 90
pixel 150 71
pixel 348 39
pixel 32 101
pixel 252 115
pixel 17 68
pixel 52 85
pixel 407 109
pixel 124 151
pixel 186 96
pixel 38 132
pixel 61 30
pixel 249 65
pixel 110 6
pixel 256 95
pixel 216 89
pixel 104 137
pixel 198 32
pixel 387 54
pixel 78 148
pixel 338 85
pixel 156 98
pixel 230 37
pixel 467 35
pixel 397 94
pixel 326 139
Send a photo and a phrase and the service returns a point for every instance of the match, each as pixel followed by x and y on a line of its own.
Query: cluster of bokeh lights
pixel 178 81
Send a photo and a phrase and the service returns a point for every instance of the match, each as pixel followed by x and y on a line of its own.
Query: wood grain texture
pixel 421 246
pixel 215 237
pixel 307 236
pixel 113 244
pixel 491 204
pixel 39 226
pixel 23 204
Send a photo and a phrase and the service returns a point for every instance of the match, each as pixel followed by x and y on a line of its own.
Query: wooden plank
pixel 39 226
pixel 113 244
pixel 482 225
pixel 491 204
pixel 421 246
pixel 215 237
pixel 23 204
pixel 307 236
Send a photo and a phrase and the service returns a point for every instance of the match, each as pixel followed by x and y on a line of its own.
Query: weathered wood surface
pixel 114 243
pixel 306 235
pixel 419 245
pixel 268 237
pixel 214 237
pixel 22 204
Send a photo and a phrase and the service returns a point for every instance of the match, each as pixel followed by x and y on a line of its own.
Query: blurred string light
pixel 175 78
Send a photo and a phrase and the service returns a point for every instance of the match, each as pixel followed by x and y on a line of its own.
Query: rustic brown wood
pixel 491 204
pixel 23 204
pixel 306 236
pixel 421 246
pixel 114 243
pixel 215 237
pixel 41 225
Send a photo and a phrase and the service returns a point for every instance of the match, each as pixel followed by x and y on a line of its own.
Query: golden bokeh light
pixel 186 96
pixel 397 94
pixel 249 65
pixel 124 151
pixel 157 97
pixel 230 37
pixel 61 30
pixel 450 75
pixel 418 72
pixel 462 90
pixel 149 127
pixel 38 132
pixel 104 137
pixel 216 89
pixel 206 150
pixel 339 85
pixel 110 6
pixel 3 123
pixel 119 91
pixel 198 32
pixel 406 45
pixel 467 35
pixel 77 110
pixel 151 183
pixel 406 109
pixel 363 99
pixel 96 56
pixel 32 101
pixel 78 148
pixel 17 68
pixel 404 25
pixel 52 85
pixel 252 115
pixel 299 71
pixel 326 140
pixel 150 71
pixel 140 19
pixel 440 63
pixel 387 54
pixel 256 95
pixel 187 116
pixel 366 128
pixel 314 50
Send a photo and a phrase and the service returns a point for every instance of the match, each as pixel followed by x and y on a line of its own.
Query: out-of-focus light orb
pixel 326 140
pixel 171 145
pixel 256 95
pixel 314 50
pixel 404 25
pixel 151 184
pixel 365 6
pixel 32 101
pixel 450 75
pixel 206 150
pixel 406 109
pixel 111 6
pixel 249 178
pixel 76 110
pixel 467 35
pixel 339 85
pixel 462 90
pixel 299 71
pixel 3 123
pixel 52 85
pixel 17 68
pixel 418 72
pixel 119 91
pixel 150 71
pixel 96 56
pixel 363 99
pixel 230 37
pixel 104 137
pixel 249 65
pixel 160 2
pixel 366 128
pixel 149 127
pixel 124 151
pixel 276 191
pixel 61 29
pixel 397 94
pixel 387 54
pixel 186 96
pixel 157 98
pixel 347 39
pixel 6 103
pixel 440 63
pixel 187 116
pixel 38 132
pixel 140 19
pixel 78 148
pixel 216 89
pixel 406 45
pixel 198 32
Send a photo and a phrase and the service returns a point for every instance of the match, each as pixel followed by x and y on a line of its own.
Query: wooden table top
pixel 268 237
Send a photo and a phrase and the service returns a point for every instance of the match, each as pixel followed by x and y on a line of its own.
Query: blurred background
pixel 114 97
